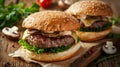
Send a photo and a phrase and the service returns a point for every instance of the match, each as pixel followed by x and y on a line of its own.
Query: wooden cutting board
pixel 7 46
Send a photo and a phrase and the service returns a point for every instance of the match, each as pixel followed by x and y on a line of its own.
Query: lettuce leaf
pixel 43 50
pixel 115 20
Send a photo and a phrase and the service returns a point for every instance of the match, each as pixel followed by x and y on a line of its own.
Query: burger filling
pixel 52 42
pixel 94 23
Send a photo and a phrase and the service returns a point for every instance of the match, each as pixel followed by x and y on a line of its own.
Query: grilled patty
pixel 95 24
pixel 49 42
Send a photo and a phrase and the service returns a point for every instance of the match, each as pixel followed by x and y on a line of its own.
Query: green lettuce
pixel 115 20
pixel 43 50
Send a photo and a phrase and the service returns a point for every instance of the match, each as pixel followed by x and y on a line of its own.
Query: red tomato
pixel 44 3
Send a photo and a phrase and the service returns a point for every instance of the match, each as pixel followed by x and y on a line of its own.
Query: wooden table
pixel 7 46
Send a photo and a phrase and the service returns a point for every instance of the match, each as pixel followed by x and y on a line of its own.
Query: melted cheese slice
pixel 88 22
pixel 25 34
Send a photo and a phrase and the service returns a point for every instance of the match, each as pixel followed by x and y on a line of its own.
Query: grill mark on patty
pixel 50 42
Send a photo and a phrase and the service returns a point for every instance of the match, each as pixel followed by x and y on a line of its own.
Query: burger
pixel 94 19
pixel 49 36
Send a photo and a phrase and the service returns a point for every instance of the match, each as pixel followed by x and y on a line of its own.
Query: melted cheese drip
pixel 25 34
pixel 88 22
pixel 75 37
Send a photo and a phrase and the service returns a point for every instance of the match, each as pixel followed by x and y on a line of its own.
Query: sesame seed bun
pixel 93 36
pixel 51 21
pixel 92 8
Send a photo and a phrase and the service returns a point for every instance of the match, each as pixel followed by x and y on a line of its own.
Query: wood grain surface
pixel 7 46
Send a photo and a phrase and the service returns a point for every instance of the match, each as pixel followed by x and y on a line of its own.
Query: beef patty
pixel 50 42
pixel 96 24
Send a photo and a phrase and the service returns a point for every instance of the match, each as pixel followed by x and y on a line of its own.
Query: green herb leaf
pixel 115 20
pixel 34 8
pixel 10 15
pixel 2 16
pixel 2 3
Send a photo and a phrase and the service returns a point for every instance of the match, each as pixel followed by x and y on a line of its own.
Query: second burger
pixel 94 18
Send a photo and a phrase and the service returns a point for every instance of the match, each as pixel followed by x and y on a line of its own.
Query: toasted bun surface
pixel 93 36
pixel 47 57
pixel 92 8
pixel 51 21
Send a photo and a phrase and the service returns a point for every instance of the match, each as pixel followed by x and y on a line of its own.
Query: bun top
pixel 51 21
pixel 92 8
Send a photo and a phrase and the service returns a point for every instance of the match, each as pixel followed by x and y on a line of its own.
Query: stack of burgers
pixel 55 35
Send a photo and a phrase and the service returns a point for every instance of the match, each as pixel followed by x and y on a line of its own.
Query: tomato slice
pixel 44 3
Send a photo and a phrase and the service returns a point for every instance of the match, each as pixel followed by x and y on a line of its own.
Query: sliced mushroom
pixel 11 33
pixel 109 48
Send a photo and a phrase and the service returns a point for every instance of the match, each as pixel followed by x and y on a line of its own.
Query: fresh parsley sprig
pixel 11 14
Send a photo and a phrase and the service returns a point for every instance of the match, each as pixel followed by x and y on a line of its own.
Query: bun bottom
pixel 46 57
pixel 93 36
